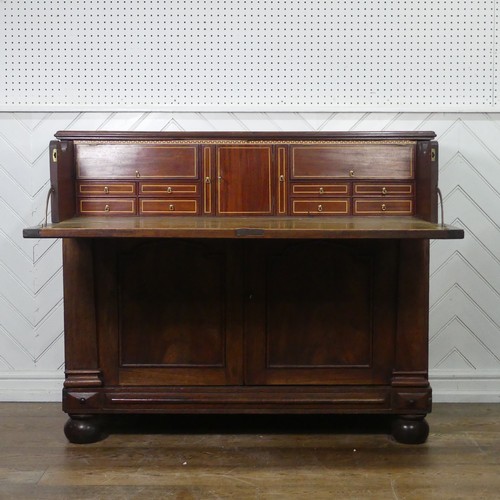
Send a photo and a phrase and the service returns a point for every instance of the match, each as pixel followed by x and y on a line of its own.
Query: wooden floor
pixel 250 457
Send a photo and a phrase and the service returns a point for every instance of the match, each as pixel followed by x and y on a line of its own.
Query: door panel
pixel 177 322
pixel 244 180
pixel 320 312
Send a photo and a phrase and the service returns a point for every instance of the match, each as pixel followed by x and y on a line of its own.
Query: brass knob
pixel 384 208
pixel 171 207
pixel 384 190
pixel 137 174
pixel 351 173
pixel 106 190
pixel 320 208
pixel 106 208
pixel 169 189
pixel 321 190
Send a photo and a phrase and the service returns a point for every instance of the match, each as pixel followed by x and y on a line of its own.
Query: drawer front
pixel 168 207
pixel 168 190
pixel 383 189
pixel 107 206
pixel 139 161
pixel 355 161
pixel 106 189
pixel 321 207
pixel 382 206
pixel 321 189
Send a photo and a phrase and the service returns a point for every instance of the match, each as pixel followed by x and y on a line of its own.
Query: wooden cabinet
pixel 245 273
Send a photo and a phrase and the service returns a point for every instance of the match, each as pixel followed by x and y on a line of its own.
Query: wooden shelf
pixel 246 227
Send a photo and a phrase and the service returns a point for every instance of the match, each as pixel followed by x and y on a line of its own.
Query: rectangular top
pixel 246 227
pixel 250 136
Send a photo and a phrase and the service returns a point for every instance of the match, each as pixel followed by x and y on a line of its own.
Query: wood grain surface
pixel 278 457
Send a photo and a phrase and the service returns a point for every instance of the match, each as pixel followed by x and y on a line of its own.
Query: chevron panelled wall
pixel 465 274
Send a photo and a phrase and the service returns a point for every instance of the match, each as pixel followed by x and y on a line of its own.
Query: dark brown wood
pixel 245 180
pixel 80 332
pixel 253 227
pixel 62 180
pixel 246 273
pixel 119 135
pixel 355 161
pixel 136 161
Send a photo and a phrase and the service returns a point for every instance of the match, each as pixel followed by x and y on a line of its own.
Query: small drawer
pixel 383 189
pixel 168 207
pixel 106 189
pixel 167 190
pixel 412 400
pixel 320 207
pixel 89 206
pixel 382 206
pixel 320 189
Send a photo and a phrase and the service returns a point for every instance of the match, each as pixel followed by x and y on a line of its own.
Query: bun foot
pixel 410 429
pixel 84 429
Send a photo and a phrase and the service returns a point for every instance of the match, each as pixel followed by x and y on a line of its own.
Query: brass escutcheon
pixel 384 208
pixel 54 155
pixel 384 190
pixel 106 208
pixel 169 189
pixel 320 208
pixel 106 190
pixel 137 174
pixel 321 190
pixel 351 173
pixel 171 207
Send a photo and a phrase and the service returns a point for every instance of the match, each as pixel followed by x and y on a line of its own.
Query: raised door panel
pixel 321 313
pixel 176 321
pixel 244 180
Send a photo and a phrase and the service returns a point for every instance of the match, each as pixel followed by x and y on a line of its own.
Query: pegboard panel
pixel 280 55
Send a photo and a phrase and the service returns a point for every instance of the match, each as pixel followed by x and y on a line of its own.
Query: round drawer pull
pixel 171 208
pixel 106 190
pixel 106 208
pixel 351 173
pixel 384 190
pixel 321 190
pixel 384 207
pixel 320 208
pixel 169 190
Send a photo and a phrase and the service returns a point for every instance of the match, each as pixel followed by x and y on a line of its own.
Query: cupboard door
pixel 320 312
pixel 168 316
pixel 244 180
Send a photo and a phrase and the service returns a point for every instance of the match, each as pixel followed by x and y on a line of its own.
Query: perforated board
pixel 249 55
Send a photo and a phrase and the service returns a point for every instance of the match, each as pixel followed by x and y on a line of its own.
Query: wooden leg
pixel 410 429
pixel 84 429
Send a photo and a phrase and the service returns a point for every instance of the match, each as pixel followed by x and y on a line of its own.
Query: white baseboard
pixel 452 386
pixel 31 386
pixel 448 386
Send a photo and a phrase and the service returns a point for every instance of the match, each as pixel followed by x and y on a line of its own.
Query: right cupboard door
pixel 320 312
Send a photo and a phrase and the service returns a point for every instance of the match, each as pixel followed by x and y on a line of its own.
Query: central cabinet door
pixel 244 180
pixel 320 312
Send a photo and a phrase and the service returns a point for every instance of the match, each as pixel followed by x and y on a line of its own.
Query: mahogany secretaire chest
pixel 245 273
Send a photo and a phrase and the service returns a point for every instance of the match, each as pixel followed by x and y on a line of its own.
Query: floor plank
pixel 280 457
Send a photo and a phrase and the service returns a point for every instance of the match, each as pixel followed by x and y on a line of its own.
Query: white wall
pixel 465 281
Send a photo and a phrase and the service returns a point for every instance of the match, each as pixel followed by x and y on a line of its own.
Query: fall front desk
pixel 245 273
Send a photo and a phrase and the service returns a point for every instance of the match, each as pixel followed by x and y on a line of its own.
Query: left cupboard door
pixel 168 312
